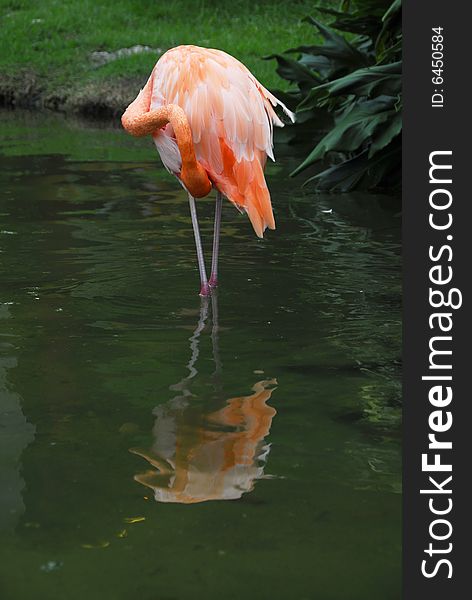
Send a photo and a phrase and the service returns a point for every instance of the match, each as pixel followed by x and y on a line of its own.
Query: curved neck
pixel 139 120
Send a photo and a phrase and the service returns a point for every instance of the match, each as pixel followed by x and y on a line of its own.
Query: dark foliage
pixel 356 78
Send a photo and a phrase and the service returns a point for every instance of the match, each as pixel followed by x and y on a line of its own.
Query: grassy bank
pixel 47 48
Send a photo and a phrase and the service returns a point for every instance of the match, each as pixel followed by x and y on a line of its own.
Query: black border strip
pixel 428 128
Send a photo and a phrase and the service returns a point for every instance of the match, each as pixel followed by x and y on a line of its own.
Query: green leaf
pixel 386 134
pixel 359 172
pixel 343 177
pixel 294 71
pixel 390 33
pixel 336 47
pixel 362 24
pixel 355 127
pixel 372 81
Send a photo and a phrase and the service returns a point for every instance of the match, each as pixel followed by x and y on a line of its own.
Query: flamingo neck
pixel 139 120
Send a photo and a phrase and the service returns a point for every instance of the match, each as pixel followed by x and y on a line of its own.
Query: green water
pixel 125 402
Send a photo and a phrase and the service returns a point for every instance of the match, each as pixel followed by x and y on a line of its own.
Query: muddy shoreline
pixel 104 100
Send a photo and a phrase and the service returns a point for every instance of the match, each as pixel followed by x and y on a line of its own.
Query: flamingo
pixel 212 124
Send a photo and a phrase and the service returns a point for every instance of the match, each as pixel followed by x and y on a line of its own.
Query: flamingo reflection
pixel 200 454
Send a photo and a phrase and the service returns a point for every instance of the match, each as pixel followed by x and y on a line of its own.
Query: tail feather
pixel 258 202
pixel 243 183
pixel 276 102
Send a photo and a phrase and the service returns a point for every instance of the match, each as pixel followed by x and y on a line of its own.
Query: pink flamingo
pixel 212 123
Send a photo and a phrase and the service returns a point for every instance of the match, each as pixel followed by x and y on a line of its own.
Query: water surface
pixel 156 447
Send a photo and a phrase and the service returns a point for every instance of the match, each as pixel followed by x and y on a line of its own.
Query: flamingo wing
pixel 231 117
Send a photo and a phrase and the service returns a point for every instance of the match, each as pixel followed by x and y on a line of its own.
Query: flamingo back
pixel 231 116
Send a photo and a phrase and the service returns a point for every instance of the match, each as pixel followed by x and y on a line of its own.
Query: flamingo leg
pixel 204 287
pixel 216 240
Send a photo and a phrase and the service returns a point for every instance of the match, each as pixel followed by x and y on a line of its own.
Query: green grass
pixel 53 39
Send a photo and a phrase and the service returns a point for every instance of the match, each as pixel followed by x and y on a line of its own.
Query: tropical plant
pixel 357 79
